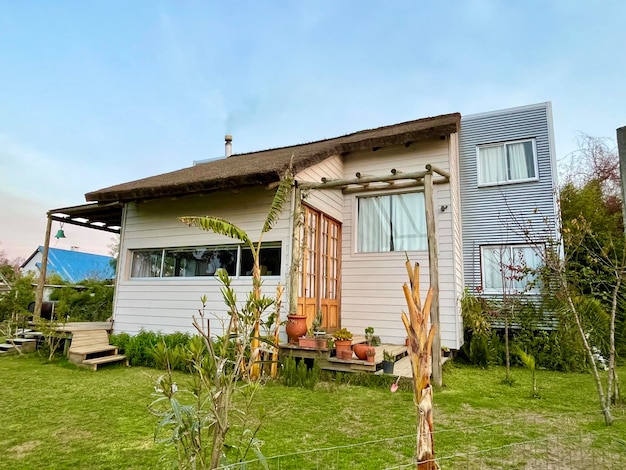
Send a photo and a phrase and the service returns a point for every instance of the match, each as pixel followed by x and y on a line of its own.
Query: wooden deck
pixel 328 361
pixel 70 327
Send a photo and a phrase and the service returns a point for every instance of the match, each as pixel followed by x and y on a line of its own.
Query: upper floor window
pixel 509 162
pixel 393 222
pixel 236 260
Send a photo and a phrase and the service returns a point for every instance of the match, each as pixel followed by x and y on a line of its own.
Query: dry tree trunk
pixel 420 353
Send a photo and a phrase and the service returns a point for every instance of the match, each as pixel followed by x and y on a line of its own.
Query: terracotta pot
pixel 361 350
pixel 305 342
pixel 343 345
pixel 345 354
pixel 296 327
pixel 371 358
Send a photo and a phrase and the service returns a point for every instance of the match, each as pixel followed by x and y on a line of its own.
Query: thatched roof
pixel 267 166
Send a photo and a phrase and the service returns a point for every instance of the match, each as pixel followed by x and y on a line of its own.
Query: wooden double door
pixel 319 286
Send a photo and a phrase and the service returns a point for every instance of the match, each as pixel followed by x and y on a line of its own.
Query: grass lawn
pixel 55 415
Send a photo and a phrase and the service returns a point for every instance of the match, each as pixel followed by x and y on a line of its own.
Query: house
pixel 423 189
pixel 508 195
pixel 71 265
pixel 361 227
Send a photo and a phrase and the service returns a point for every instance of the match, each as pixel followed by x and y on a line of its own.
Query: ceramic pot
pixel 305 342
pixel 343 345
pixel 345 354
pixel 388 367
pixel 296 327
pixel 361 350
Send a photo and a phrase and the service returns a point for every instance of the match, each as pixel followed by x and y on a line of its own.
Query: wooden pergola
pixel 394 180
pixel 105 217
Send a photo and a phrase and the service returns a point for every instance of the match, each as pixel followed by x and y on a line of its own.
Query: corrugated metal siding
pixel 498 214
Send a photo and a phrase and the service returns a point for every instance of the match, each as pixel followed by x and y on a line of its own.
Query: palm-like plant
pixel 529 361
pixel 228 229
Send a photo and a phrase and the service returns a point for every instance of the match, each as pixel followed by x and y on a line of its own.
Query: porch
pixel 327 359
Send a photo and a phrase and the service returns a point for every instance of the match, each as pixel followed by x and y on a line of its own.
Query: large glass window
pixel 204 261
pixel 269 261
pixel 393 222
pixel 147 263
pixel 507 163
pixel 509 268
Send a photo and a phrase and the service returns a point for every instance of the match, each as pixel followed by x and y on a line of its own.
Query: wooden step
pixel 21 341
pixel 96 361
pixel 6 347
pixel 31 334
pixel 24 345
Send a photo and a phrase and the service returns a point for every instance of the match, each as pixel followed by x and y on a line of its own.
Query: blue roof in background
pixel 75 266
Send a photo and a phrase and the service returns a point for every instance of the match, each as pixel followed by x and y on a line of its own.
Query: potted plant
pixel 362 350
pixel 371 354
pixel 388 360
pixel 318 332
pixel 296 327
pixel 309 340
pixel 343 341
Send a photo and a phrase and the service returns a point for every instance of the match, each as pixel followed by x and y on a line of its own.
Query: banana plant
pixel 224 227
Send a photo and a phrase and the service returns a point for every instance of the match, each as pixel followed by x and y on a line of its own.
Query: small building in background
pixel 72 266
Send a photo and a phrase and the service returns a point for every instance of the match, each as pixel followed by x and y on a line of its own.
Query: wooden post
pixel 295 251
pixel 621 151
pixel 42 272
pixel 433 270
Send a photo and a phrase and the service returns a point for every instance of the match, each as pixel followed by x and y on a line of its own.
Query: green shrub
pixel 298 374
pixel 143 348
pixel 93 301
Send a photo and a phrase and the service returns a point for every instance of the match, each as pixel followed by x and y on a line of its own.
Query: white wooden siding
pixel 329 201
pixel 168 304
pixel 455 208
pixel 372 282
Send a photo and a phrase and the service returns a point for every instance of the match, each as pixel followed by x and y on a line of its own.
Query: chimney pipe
pixel 229 145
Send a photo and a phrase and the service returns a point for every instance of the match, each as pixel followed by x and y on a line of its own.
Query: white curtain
pixel 409 222
pixel 374 224
pixel 146 264
pixel 392 223
pixel 492 167
pixel 520 161
pixel 506 267
pixel 493 260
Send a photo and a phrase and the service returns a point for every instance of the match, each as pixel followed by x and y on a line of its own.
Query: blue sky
pixel 103 92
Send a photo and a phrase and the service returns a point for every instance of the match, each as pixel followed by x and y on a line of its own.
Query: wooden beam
pixel 439 171
pixel 383 186
pixel 433 270
pixel 42 271
pixel 335 184
pixel 69 221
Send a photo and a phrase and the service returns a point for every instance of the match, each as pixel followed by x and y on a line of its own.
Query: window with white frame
pixel 391 222
pixel 508 162
pixel 510 268
pixel 236 260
